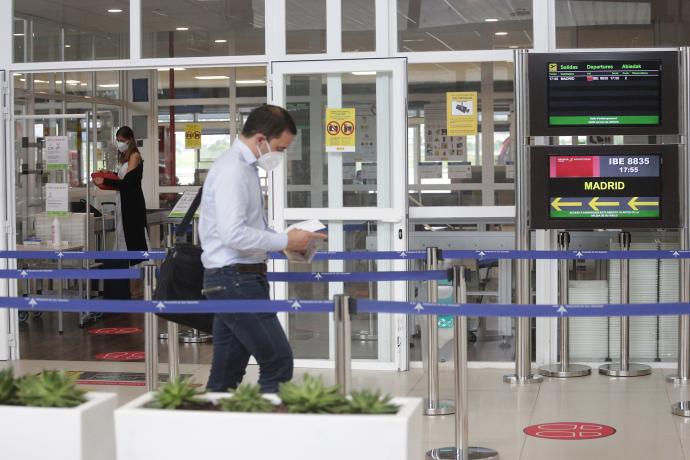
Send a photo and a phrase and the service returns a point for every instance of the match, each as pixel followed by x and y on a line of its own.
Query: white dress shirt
pixel 232 226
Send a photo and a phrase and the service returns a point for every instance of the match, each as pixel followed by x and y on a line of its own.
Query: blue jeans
pixel 237 336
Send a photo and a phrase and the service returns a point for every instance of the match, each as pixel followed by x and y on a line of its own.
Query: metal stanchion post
pixel 564 369
pixel 682 408
pixel 150 331
pixel 625 368
pixel 343 343
pixel 433 405
pixel 461 451
pixel 194 335
pixel 173 352
pixel 523 331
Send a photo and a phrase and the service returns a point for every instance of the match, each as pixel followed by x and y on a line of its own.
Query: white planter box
pixel 86 432
pixel 152 434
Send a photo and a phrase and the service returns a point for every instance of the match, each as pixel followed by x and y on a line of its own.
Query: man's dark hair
pixel 270 120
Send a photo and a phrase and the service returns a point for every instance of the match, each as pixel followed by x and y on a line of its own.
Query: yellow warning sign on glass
pixel 462 113
pixel 340 130
pixel 192 136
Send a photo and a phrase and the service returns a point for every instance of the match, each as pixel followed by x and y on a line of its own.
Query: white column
pixel 546 293
pixel 135 30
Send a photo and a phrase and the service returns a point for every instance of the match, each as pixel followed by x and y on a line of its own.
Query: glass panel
pixel 61 30
pixel 181 166
pixel 621 24
pixel 358 25
pixel 449 25
pixel 308 163
pixel 451 170
pixel 305 26
pixel 309 333
pixel 180 28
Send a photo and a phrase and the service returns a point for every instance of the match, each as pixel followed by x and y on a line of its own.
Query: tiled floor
pixel 638 408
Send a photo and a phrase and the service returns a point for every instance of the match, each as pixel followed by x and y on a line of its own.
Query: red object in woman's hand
pixel 104 175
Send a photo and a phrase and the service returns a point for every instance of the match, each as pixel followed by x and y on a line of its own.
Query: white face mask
pixel 122 146
pixel 270 160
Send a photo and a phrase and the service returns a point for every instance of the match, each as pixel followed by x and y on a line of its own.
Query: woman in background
pixel 131 233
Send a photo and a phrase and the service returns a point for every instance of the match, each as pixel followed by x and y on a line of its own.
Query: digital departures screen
pixel 605 186
pixel 604 93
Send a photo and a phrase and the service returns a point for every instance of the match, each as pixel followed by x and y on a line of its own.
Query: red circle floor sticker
pixel 570 431
pixel 115 330
pixel 121 356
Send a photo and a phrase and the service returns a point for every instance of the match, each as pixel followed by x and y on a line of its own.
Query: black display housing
pixel 539 94
pixel 541 187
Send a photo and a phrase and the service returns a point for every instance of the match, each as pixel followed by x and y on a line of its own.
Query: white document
pixel 183 205
pixel 57 152
pixel 312 225
pixel 57 199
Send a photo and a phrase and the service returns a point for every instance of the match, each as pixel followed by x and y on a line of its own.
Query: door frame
pixel 393 349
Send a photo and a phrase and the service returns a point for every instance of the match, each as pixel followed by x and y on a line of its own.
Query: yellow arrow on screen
pixel 558 204
pixel 595 203
pixel 634 203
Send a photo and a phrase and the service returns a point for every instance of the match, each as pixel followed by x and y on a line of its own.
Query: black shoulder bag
pixel 182 276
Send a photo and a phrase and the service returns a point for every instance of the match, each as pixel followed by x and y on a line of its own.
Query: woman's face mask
pixel 270 160
pixel 122 146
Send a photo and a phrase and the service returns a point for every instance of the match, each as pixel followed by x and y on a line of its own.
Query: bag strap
pixel 187 219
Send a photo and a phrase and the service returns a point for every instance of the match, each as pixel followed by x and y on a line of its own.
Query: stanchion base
pixel 451 453
pixel 440 407
pixel 634 370
pixel 516 380
pixel 681 409
pixel 189 337
pixel 677 379
pixel 573 370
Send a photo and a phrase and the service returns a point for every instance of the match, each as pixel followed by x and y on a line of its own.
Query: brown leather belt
pixel 259 269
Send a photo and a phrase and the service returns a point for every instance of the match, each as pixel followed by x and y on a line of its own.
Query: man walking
pixel 235 238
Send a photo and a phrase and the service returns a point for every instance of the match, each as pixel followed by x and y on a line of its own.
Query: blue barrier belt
pixel 82 255
pixel 72 274
pixel 361 255
pixel 518 310
pixel 167 306
pixel 326 306
pixel 358 276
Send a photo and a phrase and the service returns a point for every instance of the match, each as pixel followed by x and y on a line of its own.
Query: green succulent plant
pixel 175 394
pixel 246 398
pixel 312 396
pixel 371 402
pixel 8 387
pixel 49 389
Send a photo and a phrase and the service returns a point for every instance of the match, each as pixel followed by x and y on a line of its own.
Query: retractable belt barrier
pixel 359 306
pixel 367 255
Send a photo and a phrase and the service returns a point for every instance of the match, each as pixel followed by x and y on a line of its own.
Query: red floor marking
pixel 121 356
pixel 570 431
pixel 115 330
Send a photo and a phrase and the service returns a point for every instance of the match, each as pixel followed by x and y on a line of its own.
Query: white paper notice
pixel 430 170
pixel 57 152
pixel 312 225
pixel 183 205
pixel 57 199
pixel 459 171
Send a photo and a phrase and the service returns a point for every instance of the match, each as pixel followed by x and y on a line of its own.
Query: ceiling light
pixel 491 20
pixel 68 46
pixel 115 10
pixel 182 29
pixel 250 82
pixel 18 74
pixel 221 40
pixel 83 84
pixel 109 85
pixel 72 82
pixel 501 33
pixel 364 73
pixel 58 82
pixel 22 79
pixel 211 77
pixel 18 35
pixel 166 69
pixel 40 81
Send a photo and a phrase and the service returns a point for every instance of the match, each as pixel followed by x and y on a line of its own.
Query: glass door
pixel 347 168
